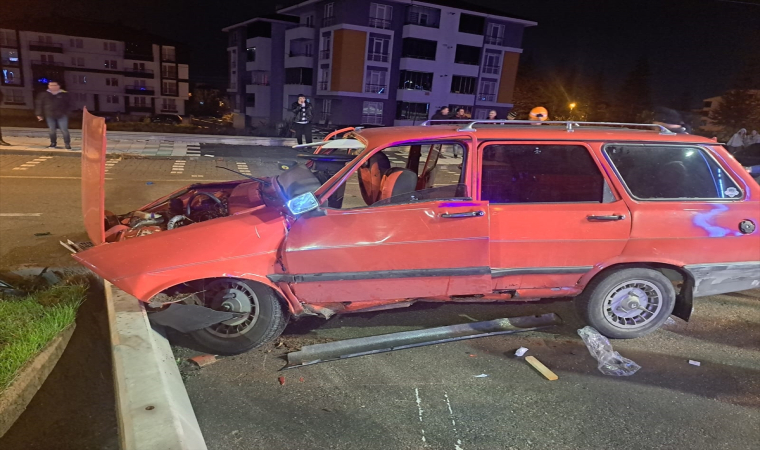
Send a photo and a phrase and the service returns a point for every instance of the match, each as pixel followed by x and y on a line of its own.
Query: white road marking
pixel 32 163
pixel 243 168
pixel 458 445
pixel 197 176
pixel 179 166
pixel 20 214
pixel 419 411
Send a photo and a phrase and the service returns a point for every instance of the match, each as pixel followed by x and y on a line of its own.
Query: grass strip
pixel 28 324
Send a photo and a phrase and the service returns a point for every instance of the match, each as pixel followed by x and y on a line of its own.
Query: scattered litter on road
pixel 149 182
pixel 694 363
pixel 300 379
pixel 47 233
pixel 670 321
pixel 610 362
pixel 482 375
pixel 472 356
pixel 281 380
pixel 551 376
pixel 468 317
pixel 521 351
pixel 203 360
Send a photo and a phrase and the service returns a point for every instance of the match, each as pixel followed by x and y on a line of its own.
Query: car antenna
pixel 260 180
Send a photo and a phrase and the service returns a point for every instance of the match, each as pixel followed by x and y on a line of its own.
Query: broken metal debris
pixel 313 354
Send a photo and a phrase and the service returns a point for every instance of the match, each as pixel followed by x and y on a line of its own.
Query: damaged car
pixel 633 221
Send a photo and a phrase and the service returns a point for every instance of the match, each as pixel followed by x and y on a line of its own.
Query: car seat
pixel 371 177
pixel 397 181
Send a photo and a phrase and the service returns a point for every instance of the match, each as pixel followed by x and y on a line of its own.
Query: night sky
pixel 693 46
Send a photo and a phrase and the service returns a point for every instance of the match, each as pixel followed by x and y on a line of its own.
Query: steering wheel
pixel 198 194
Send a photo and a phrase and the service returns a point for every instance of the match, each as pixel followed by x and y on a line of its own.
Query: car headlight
pixel 302 203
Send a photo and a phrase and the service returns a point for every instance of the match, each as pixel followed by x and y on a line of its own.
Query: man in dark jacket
pixel 302 115
pixel 2 142
pixel 441 114
pixel 53 106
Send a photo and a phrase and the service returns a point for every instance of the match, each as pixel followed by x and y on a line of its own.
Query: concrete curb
pixel 175 137
pixel 15 399
pixel 153 409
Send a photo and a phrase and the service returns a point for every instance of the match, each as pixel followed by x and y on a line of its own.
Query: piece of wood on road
pixel 551 376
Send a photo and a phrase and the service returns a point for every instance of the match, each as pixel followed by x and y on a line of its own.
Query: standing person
pixel 737 141
pixel 53 106
pixel 461 115
pixel 302 115
pixel 754 138
pixel 492 115
pixel 441 114
pixel 2 142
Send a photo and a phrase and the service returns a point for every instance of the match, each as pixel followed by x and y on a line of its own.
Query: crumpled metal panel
pixel 93 175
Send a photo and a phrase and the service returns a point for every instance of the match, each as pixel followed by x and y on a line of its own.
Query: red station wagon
pixel 631 220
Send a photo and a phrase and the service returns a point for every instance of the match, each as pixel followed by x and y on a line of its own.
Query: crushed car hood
pixel 93 175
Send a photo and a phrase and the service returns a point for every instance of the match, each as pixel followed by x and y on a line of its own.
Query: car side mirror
pixel 302 203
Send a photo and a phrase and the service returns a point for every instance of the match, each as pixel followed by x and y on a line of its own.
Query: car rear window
pixel 540 174
pixel 653 172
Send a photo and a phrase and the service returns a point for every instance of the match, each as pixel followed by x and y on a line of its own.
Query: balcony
pixel 138 56
pixel 170 92
pixel 491 69
pixel 328 21
pixel 296 54
pixel 300 32
pixel 10 62
pixel 48 47
pixel 47 63
pixel 381 57
pixel 494 40
pixel 139 90
pixel 139 73
pixel 9 43
pixel 376 22
pixel 486 97
pixel 324 54
pixel 375 88
pixel 422 20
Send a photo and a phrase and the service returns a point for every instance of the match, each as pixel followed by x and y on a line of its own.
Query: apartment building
pixel 110 69
pixel 383 62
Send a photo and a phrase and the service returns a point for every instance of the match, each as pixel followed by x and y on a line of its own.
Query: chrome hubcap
pixel 632 304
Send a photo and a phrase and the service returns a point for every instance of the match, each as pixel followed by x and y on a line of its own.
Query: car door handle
pixel 464 214
pixel 605 218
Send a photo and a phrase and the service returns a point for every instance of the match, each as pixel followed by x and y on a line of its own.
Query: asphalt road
pixel 394 400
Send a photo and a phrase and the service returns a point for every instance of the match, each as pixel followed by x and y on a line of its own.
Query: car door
pixel 424 243
pixel 553 213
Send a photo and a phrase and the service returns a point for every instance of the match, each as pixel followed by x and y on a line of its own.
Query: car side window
pixel 530 173
pixel 652 172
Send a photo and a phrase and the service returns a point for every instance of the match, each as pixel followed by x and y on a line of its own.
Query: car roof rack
pixel 570 126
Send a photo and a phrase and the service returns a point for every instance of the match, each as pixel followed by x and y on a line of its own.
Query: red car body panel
pixel 93 175
pixel 387 256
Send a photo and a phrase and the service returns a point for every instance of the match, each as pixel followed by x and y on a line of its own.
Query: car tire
pixel 264 323
pixel 612 303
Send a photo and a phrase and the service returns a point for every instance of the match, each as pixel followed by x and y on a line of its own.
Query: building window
pixel 169 70
pixel 540 174
pixel 76 43
pixel 45 39
pixel 250 54
pixel 471 24
pixel 47 59
pixel 168 54
pixel 380 15
pixel 412 111
pixel 417 81
pixel 329 15
pixel 169 87
pixel 324 53
pixel 463 85
pixel 139 101
pixel 418 48
pixel 250 100
pixel 77 61
pixel 260 78
pixel 653 172
pixel 9 57
pixel 326 110
pixel 495 34
pixel 234 38
pixel 372 113
pixel 80 79
pixel 112 99
pixel 112 81
pixel 301 47
pixel 14 97
pixel 487 91
pixel 169 105
pixel 467 54
pixel 308 20
pixel 324 79
pixel 11 76
pixel 298 75
pixel 491 63
pixel 376 82
pixel 423 16
pixel 110 64
pixel 378 48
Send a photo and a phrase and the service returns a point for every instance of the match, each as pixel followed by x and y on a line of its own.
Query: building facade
pixel 111 71
pixel 383 62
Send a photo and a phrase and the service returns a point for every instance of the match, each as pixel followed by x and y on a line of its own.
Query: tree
pixel 635 96
pixel 738 108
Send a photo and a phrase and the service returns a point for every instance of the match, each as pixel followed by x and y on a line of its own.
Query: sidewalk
pixel 145 144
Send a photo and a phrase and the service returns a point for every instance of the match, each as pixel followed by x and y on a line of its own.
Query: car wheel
pixel 627 303
pixel 263 321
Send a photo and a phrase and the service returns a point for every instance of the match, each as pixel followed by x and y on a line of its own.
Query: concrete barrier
pixel 153 409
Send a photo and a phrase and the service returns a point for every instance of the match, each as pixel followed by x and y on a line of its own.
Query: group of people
pixel 742 139
pixel 52 106
pixel 538 113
